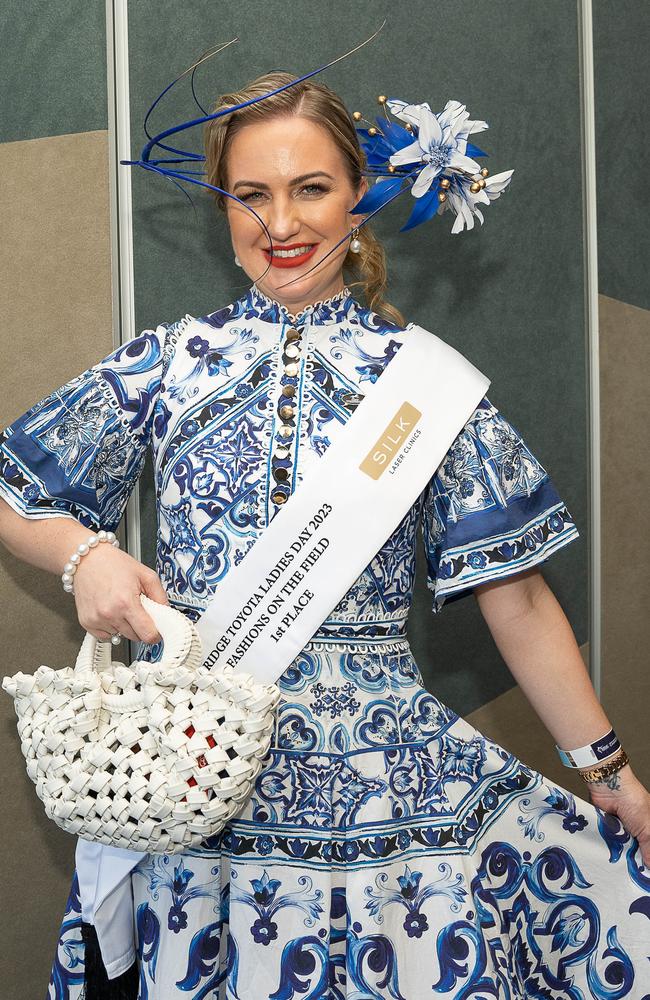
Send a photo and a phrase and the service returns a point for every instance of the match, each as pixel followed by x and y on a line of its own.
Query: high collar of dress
pixel 335 309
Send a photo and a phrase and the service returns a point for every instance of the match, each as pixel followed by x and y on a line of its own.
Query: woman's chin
pixel 300 285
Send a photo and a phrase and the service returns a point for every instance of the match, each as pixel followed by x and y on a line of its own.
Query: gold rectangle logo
pixel 391 440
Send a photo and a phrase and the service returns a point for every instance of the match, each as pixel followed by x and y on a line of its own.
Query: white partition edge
pixel 122 278
pixel 590 235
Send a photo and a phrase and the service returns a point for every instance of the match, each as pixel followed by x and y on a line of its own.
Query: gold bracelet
pixel 605 770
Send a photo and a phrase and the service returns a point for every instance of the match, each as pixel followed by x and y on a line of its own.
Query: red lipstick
pixel 290 261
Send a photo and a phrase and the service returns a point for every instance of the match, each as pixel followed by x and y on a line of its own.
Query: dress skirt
pixel 390 850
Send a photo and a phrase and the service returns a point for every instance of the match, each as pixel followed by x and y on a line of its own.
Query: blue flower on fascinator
pixel 445 176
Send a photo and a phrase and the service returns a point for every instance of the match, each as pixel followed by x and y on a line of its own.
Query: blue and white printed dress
pixel 389 850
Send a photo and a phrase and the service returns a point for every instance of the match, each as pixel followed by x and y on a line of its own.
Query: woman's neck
pixel 295 309
pixel 334 291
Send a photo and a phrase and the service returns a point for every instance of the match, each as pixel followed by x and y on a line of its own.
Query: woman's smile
pixel 293 255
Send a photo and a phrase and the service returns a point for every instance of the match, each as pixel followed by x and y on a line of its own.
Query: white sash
pixel 314 549
pixel 266 609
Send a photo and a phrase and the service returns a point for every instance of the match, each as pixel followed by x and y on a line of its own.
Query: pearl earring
pixel 355 244
pixel 237 261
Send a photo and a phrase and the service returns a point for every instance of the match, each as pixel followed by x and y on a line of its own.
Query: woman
pixel 389 848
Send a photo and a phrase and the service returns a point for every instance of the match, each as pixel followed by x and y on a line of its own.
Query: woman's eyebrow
pixel 296 180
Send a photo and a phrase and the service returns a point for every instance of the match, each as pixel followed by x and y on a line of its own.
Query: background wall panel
pixel 622 85
pixel 621 33
pixel 625 376
pixel 53 76
pixel 622 79
pixel 55 302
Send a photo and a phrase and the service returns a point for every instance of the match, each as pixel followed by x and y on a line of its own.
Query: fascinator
pixel 425 153
pixel 432 155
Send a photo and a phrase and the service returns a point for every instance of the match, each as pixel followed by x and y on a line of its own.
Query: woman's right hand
pixel 107 587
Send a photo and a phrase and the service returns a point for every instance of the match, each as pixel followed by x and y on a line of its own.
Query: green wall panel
pixel 622 85
pixel 509 295
pixel 53 68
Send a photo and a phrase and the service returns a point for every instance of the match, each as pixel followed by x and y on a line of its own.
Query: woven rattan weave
pixel 153 757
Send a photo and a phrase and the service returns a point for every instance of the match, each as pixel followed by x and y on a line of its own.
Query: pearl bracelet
pixel 83 549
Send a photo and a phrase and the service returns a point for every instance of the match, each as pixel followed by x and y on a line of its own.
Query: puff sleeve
pixel 78 452
pixel 490 509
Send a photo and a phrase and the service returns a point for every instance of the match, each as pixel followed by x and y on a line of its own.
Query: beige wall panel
pixel 625 471
pixel 55 302
pixel 511 721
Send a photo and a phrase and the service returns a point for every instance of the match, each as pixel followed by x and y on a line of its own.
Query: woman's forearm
pixel 537 643
pixel 45 542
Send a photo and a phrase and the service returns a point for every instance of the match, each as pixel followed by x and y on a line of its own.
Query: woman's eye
pixel 315 189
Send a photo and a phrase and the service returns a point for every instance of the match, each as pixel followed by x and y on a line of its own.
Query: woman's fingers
pixel 124 628
pixel 102 636
pixel 107 594
pixel 153 588
pixel 631 804
pixel 137 620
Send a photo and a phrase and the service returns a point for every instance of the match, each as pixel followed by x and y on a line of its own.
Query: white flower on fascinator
pixel 464 202
pixel 440 143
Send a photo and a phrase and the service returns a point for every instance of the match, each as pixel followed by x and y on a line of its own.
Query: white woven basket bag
pixel 153 757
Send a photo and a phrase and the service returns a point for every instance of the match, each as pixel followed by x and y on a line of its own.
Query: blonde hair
pixel 317 103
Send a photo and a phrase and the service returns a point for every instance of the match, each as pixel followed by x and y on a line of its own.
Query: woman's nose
pixel 283 220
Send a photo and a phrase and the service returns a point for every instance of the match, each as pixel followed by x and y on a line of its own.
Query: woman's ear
pixel 361 190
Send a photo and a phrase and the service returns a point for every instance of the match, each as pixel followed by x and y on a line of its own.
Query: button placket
pixel 285 437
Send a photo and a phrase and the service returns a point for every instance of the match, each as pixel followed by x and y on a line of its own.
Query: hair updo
pixel 324 107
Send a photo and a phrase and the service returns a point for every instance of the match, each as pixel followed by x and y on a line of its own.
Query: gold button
pixel 292 333
pixel 291 351
pixel 280 474
pixel 279 497
pixel 281 452
pixel 286 412
pixel 285 432
pixel 291 369
pixel 288 390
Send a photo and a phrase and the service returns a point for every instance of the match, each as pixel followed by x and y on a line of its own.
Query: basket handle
pixel 181 642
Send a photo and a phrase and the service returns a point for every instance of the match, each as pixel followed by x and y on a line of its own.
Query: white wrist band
pixel 83 549
pixel 592 753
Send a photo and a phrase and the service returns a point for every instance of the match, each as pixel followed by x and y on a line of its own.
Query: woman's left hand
pixel 623 795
